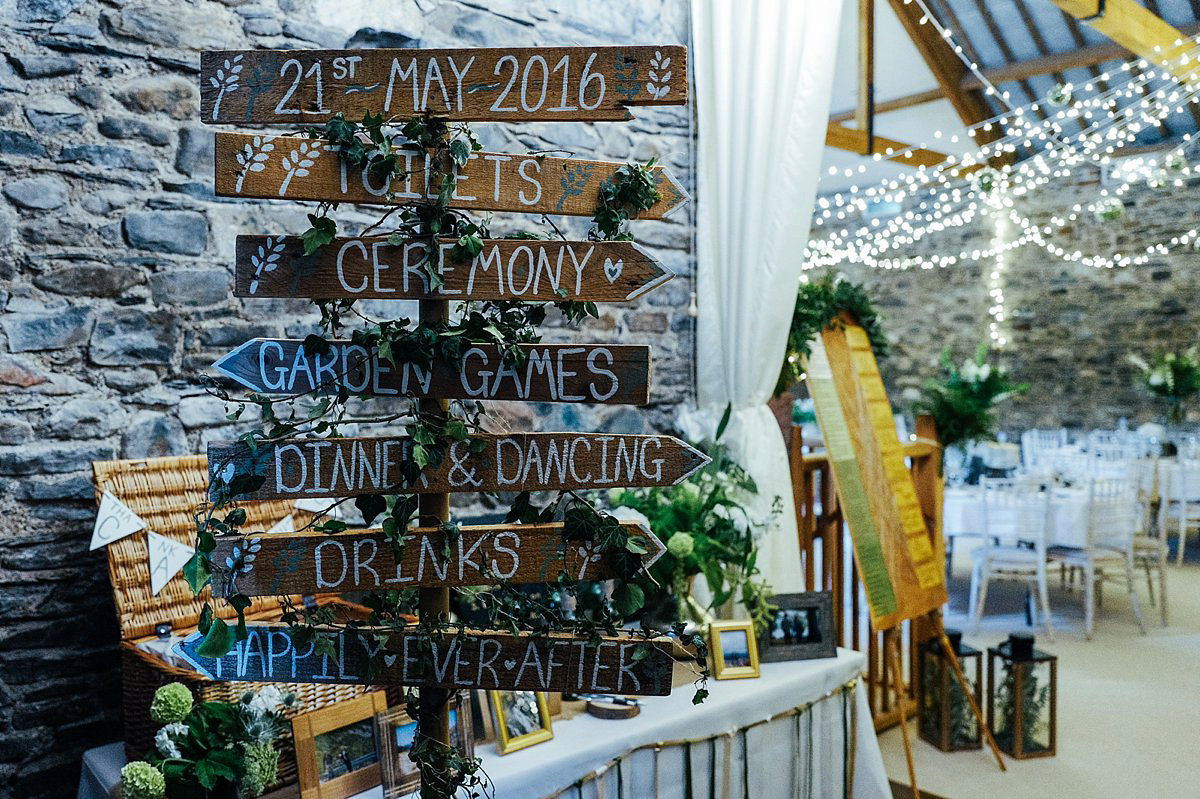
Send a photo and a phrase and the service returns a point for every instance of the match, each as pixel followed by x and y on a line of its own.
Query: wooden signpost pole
pixel 434 603
pixel 892 645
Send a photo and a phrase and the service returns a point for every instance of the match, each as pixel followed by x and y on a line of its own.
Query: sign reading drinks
pixel 618 373
pixel 297 168
pixel 514 84
pixel 492 661
pixel 364 560
pixel 902 577
pixel 340 467
pixel 506 269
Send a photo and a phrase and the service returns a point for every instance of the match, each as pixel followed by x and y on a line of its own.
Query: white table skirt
pixel 778 757
pixel 962 512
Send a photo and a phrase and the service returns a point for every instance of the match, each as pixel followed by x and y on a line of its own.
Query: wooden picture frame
pixel 815 639
pixel 734 649
pixel 481 717
pixel 513 732
pixel 396 732
pixel 326 741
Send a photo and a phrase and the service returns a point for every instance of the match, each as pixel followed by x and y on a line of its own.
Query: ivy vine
pixel 379 145
pixel 818 306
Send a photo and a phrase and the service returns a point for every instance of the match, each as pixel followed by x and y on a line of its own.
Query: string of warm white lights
pixel 954 204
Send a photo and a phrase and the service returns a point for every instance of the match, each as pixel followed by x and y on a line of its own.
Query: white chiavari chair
pixel 1112 522
pixel 1179 496
pixel 1015 516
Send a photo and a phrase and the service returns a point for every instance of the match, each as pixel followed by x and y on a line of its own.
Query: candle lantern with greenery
pixel 945 716
pixel 1023 698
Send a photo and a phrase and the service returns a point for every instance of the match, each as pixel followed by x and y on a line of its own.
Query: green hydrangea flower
pixel 262 768
pixel 140 780
pixel 172 702
pixel 681 544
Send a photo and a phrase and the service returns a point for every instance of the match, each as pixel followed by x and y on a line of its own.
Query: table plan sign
pixel 491 661
pixel 902 578
pixel 341 467
pixel 364 560
pixel 618 373
pixel 514 84
pixel 297 168
pixel 507 269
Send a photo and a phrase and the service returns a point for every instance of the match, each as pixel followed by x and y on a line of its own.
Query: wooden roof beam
pixel 1043 65
pixel 947 68
pixel 857 141
pixel 1139 30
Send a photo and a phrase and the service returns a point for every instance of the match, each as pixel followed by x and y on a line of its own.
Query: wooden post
pixel 865 112
pixel 434 603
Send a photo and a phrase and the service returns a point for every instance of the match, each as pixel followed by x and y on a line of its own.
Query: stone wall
pixel 1070 327
pixel 115 285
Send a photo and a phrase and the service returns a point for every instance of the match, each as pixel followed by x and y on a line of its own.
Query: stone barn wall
pixel 115 285
pixel 1070 327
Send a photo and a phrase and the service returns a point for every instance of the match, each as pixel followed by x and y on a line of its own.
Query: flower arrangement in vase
pixel 210 750
pixel 1173 376
pixel 709 528
pixel 963 399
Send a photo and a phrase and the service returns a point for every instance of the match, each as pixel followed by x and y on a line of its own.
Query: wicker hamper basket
pixel 165 493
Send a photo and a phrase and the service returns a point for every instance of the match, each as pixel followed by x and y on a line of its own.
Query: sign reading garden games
pixel 388 128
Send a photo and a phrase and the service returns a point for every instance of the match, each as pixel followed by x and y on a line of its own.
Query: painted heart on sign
pixel 510 664
pixel 390 660
pixel 227 473
pixel 613 270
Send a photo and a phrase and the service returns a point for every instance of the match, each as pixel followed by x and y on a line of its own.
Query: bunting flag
pixel 114 521
pixel 166 559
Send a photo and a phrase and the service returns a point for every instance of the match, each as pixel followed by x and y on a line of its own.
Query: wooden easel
pixel 894 661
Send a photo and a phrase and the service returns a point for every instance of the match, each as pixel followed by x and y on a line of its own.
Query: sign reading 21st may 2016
pixel 483 84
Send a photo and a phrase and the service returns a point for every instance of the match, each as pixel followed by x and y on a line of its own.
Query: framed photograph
pixel 522 719
pixel 734 650
pixel 337 748
pixel 801 628
pixel 398 730
pixel 481 717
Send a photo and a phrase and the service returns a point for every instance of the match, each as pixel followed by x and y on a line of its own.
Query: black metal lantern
pixel 945 716
pixel 1023 698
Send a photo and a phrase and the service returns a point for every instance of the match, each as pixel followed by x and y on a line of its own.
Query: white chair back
pixel 1112 513
pixel 1013 511
pixel 1035 442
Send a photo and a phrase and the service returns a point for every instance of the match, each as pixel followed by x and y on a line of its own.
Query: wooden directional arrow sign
pixel 494 661
pixel 511 84
pixel 507 269
pixel 364 560
pixel 344 467
pixel 296 168
pixel 613 374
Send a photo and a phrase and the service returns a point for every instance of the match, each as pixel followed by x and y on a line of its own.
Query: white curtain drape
pixel 763 76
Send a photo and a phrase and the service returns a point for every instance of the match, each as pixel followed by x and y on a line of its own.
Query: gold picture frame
pixel 337 748
pixel 396 732
pixel 734 649
pixel 515 727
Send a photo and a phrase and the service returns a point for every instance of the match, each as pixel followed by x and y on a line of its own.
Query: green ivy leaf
pixel 628 599
pixel 196 572
pixel 217 642
pixel 321 233
pixel 370 506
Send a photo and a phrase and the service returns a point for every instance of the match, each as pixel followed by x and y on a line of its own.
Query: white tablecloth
pixel 585 743
pixel 962 512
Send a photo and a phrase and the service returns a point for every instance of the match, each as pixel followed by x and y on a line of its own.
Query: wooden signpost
pixel 305 88
pixel 902 578
pixel 616 373
pixel 298 168
pixel 507 269
pixel 364 560
pixel 510 84
pixel 345 467
pixel 491 661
